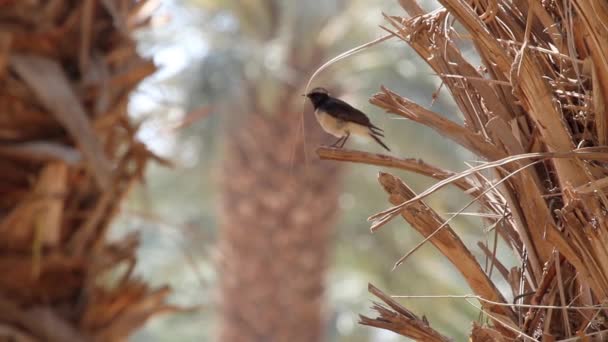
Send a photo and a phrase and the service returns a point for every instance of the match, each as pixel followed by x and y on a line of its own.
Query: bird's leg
pixel 336 143
pixel 345 138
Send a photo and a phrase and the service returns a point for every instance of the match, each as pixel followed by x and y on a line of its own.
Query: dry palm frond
pixel 397 318
pixel 68 158
pixel 535 111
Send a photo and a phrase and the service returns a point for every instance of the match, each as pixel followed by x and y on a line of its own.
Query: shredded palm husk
pixel 68 157
pixel 535 112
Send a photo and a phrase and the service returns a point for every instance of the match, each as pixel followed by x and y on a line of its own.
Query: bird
pixel 340 119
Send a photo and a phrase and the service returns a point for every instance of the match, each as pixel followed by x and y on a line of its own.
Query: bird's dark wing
pixel 343 111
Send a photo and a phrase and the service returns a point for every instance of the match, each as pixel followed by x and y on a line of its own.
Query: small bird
pixel 340 119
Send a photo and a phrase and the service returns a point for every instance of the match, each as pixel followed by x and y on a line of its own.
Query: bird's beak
pixel 303 95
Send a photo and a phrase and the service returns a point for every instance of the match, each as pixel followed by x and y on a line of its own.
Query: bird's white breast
pixel 340 128
pixel 330 124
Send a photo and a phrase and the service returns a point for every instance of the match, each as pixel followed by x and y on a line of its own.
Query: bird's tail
pixel 376 130
pixel 377 133
pixel 373 135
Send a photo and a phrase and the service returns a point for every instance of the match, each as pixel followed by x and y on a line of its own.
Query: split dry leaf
pixel 400 320
pixel 534 111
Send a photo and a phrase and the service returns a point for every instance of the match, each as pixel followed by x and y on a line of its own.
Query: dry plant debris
pixel 68 158
pixel 535 112
pixel 397 318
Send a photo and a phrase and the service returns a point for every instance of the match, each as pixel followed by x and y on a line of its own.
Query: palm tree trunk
pixel 277 214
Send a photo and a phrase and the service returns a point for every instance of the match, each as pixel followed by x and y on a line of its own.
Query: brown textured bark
pixel 277 214
pixel 68 157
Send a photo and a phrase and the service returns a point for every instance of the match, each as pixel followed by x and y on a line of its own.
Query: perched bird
pixel 340 119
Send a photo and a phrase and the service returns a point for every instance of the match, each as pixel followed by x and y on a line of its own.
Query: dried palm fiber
pixel 535 111
pixel 68 156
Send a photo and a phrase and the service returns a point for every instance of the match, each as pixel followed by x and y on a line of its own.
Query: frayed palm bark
pixel 69 156
pixel 534 105
pixel 428 223
pixel 400 320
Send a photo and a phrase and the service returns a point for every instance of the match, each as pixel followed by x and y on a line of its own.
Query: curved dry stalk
pixel 383 217
pixel 511 305
pixel 428 223
pixel 534 261
pixel 410 164
pixel 346 54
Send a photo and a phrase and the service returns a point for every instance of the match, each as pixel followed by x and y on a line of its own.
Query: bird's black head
pixel 318 96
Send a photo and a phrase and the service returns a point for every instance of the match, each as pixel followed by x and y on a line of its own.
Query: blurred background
pixel 225 107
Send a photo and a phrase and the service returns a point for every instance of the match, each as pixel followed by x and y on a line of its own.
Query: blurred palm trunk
pixel 277 214
pixel 279 200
